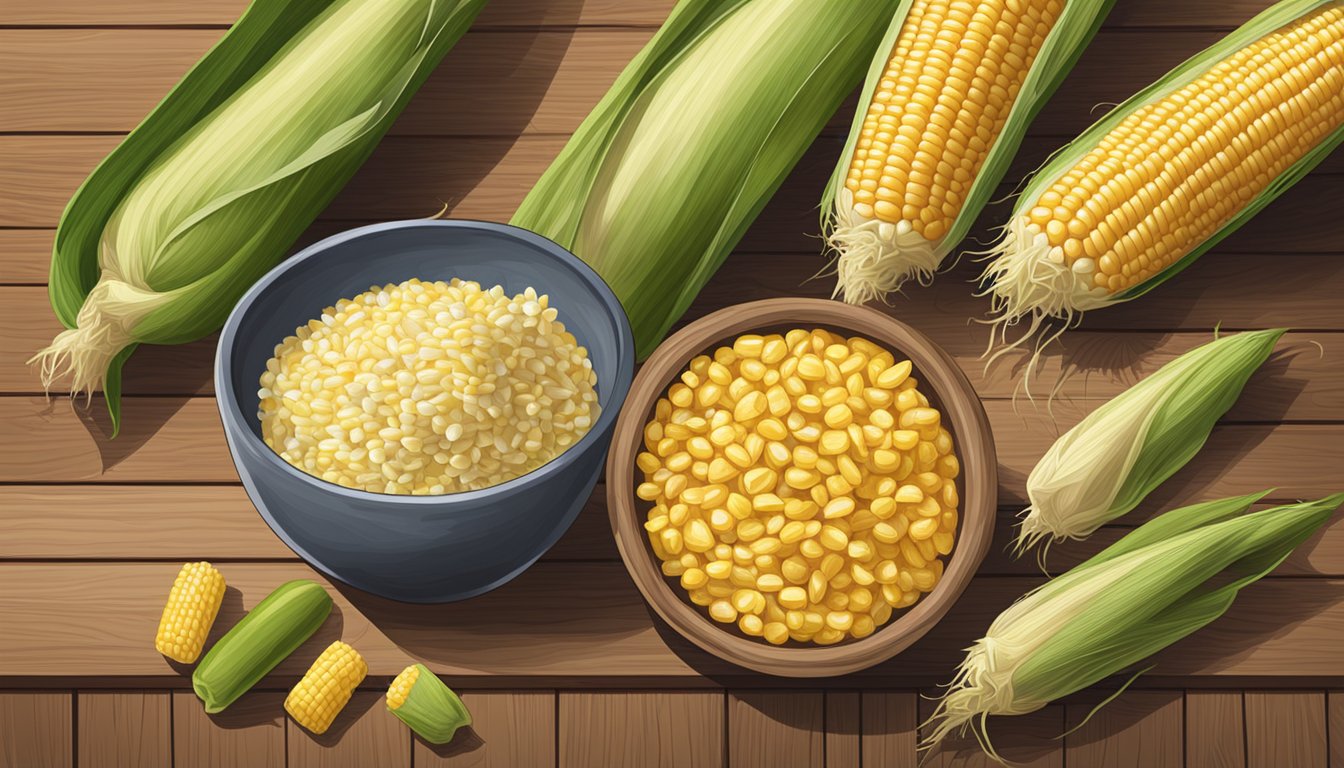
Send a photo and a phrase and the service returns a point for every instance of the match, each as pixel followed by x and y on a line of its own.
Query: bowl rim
pixel 979 479
pixel 227 400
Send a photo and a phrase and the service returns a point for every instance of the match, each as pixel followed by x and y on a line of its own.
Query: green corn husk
pixel 215 185
pixel 667 172
pixel 1107 464
pixel 431 709
pixel 266 636
pixel 873 258
pixel 1163 581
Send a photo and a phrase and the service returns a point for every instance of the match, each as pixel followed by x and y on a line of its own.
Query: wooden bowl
pixel 942 382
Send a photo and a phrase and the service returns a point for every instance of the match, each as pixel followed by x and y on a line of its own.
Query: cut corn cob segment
pixel 316 700
pixel 948 99
pixel 192 606
pixel 422 701
pixel 1176 168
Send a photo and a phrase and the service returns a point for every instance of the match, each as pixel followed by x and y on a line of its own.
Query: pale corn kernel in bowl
pixel 800 486
pixel 428 388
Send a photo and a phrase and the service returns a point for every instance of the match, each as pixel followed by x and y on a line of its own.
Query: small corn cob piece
pixel 950 95
pixel 192 606
pixel 1176 168
pixel 326 688
pixel 422 701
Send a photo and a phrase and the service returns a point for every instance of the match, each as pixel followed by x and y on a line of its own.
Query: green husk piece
pixel 1025 284
pixel 667 172
pixel 213 187
pixel 431 709
pixel 1108 463
pixel 873 260
pixel 266 636
pixel 1119 608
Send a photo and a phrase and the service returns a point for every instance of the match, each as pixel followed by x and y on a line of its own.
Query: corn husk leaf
pixel 1105 465
pixel 874 272
pixel 432 709
pixel 665 175
pixel 187 291
pixel 1121 607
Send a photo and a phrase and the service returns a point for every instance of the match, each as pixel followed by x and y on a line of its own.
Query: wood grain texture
pixel 844 721
pixel 773 728
pixel 1214 729
pixel 130 729
pixel 364 733
pixel 36 729
pixel 889 726
pixel 251 732
pixel 1285 728
pixel 509 728
pixel 1334 704
pixel 656 730
pixel 1025 740
pixel 1140 729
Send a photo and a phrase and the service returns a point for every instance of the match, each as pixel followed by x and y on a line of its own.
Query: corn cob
pixel 316 700
pixel 192 606
pixel 421 700
pixel 949 97
pixel 1176 168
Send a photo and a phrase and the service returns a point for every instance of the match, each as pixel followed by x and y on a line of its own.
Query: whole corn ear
pixel 1105 465
pixel 264 638
pixel 422 701
pixel 1174 169
pixel 667 172
pixel 1122 606
pixel 325 689
pixel 193 604
pixel 947 101
pixel 220 179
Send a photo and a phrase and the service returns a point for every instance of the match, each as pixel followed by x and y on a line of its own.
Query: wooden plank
pixel 1303 381
pixel 35 729
pixel 890 730
pixel 250 732
pixel 131 729
pixel 844 721
pixel 1214 730
pixel 1285 728
pixel 364 733
pixel 772 728
pixel 1025 740
pixel 657 730
pixel 1137 730
pixel 87 619
pixel 509 728
pixel 25 255
pixel 171 440
pixel 1335 709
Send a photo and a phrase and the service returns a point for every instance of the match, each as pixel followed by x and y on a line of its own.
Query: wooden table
pixel 566 665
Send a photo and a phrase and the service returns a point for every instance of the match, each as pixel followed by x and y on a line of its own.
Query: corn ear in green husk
pixel 424 703
pixel 667 172
pixel 984 97
pixel 219 180
pixel 1163 581
pixel 1107 464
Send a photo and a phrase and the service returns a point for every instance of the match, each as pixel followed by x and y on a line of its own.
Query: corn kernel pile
pixel 428 388
pixel 801 486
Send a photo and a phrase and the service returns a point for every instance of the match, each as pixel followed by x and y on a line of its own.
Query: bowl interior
pixel 491 254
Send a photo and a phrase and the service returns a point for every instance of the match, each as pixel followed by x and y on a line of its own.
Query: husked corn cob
pixel 939 102
pixel 192 606
pixel 1176 168
pixel 421 700
pixel 327 687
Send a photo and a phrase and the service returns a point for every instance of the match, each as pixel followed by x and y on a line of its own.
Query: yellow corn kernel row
pixel 327 687
pixel 1173 172
pixel 801 486
pixel 193 603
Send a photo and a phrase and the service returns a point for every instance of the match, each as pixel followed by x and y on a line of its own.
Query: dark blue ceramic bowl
pixel 423 549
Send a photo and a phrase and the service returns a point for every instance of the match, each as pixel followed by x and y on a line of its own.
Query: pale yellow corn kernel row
pixel 801 486
pixel 193 604
pixel 326 688
pixel 1174 171
pixel 950 83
